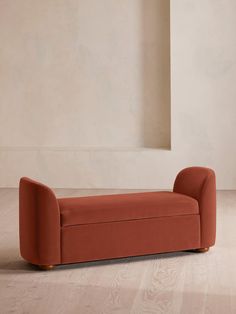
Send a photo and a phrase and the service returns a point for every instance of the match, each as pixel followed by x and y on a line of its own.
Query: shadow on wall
pixel 156 74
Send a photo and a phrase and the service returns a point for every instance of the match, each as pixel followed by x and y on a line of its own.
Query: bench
pixel 56 231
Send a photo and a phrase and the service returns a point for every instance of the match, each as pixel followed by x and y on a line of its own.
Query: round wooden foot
pixel 202 250
pixel 46 267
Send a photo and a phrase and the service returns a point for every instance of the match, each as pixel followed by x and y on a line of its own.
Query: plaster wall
pixel 44 133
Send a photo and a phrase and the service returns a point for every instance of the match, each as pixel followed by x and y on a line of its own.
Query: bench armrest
pixel 199 183
pixel 39 223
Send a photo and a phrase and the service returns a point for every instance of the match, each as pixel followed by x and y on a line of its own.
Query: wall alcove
pixel 87 74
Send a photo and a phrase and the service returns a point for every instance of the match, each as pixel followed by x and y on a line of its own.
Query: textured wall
pixel 85 73
pixel 203 93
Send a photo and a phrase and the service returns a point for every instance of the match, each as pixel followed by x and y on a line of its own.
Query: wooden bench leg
pixel 46 267
pixel 202 250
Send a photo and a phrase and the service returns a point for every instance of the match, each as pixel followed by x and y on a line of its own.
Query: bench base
pixel 50 267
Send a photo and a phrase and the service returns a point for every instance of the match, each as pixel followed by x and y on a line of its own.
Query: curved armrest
pixel 199 183
pixel 39 219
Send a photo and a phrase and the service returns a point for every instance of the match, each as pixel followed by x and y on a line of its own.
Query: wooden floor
pixel 165 283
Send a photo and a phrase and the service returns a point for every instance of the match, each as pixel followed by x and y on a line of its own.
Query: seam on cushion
pixel 126 220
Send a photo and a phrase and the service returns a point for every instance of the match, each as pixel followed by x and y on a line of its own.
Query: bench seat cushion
pixel 123 207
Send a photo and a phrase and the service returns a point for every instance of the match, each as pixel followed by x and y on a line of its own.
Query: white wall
pixel 203 93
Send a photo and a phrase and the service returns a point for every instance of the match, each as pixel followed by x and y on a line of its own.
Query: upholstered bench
pixel 69 230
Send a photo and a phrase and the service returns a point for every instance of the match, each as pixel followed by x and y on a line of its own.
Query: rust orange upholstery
pixel 109 208
pixel 40 228
pixel 68 230
pixel 199 183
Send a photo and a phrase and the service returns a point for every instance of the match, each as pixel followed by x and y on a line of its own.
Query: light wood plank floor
pixel 165 283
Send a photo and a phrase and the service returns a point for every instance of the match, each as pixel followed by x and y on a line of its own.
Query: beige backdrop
pixel 85 91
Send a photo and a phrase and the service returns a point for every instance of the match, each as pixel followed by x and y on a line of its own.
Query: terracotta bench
pixel 70 230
